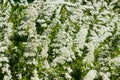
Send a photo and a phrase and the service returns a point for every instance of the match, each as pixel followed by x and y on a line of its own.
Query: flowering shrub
pixel 59 40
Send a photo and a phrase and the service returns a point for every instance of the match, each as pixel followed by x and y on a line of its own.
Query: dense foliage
pixel 59 39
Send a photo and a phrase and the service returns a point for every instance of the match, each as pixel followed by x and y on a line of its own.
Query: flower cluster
pixel 59 40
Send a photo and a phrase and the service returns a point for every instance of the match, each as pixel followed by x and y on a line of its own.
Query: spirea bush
pixel 59 39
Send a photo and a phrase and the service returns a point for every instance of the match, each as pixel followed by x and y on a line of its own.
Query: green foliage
pixel 38 46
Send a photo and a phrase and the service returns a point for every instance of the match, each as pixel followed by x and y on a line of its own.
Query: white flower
pixel 35 75
pixel 4 59
pixel 44 52
pixel 2 49
pixel 59 59
pixel 32 13
pixel 46 64
pixel 90 55
pixel 26 54
pixel 67 76
pixel 91 75
pixel 41 21
pixel 23 3
pixel 7 77
pixel 80 38
pixel 44 25
pixel 69 69
pixel 116 61
pixel 105 76
pixel 6 70
pixel 19 76
pixel 35 62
